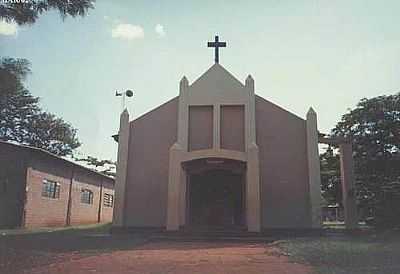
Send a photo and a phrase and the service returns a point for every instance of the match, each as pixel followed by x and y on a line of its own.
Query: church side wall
pixel 281 137
pixel 151 137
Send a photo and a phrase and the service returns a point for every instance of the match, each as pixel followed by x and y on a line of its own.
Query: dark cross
pixel 216 44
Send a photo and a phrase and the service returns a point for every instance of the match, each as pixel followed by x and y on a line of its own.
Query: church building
pixel 218 156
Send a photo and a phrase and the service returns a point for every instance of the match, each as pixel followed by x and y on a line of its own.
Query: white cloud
pixel 8 28
pixel 160 30
pixel 127 32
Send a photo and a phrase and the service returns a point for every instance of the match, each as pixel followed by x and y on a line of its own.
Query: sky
pixel 324 54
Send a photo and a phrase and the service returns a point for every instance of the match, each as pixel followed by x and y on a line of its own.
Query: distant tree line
pixel 106 167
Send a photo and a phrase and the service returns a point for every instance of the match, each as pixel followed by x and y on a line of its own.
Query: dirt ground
pixel 94 250
pixel 181 258
pixel 83 251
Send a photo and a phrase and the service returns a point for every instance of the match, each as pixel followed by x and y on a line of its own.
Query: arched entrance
pixel 215 194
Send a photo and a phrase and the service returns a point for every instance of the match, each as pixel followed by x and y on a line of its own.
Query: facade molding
pixel 216 88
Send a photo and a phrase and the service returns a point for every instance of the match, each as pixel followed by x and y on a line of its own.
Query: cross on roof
pixel 216 45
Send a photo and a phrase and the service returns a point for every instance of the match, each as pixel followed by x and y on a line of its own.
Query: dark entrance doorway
pixel 216 199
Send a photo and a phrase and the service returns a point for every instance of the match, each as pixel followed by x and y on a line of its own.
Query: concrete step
pixel 213 238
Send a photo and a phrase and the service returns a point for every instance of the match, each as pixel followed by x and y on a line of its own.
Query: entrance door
pixel 216 199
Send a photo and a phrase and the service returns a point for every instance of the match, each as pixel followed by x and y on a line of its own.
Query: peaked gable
pixel 216 83
pixel 217 75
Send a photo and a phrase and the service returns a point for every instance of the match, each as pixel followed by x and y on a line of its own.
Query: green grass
pixel 374 254
pixel 91 228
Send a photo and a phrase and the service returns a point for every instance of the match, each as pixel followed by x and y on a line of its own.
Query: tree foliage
pixel 330 176
pixel 107 166
pixel 30 10
pixel 21 118
pixel 374 127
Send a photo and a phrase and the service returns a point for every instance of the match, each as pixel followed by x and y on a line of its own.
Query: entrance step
pixel 213 235
pixel 213 238
pixel 221 233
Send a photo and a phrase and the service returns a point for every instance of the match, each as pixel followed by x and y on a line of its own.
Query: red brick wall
pixel 107 212
pixel 43 211
pixel 82 213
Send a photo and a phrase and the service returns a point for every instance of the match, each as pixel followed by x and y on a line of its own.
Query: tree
pixel 374 127
pixel 29 11
pixel 11 72
pixel 17 105
pixel 51 133
pixel 107 166
pixel 21 118
pixel 330 177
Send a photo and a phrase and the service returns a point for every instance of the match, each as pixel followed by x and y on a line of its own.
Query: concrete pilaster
pixel 174 187
pixel 249 85
pixel 253 214
pixel 183 191
pixel 253 207
pixel 121 172
pixel 176 177
pixel 314 173
pixel 348 190
pixel 183 114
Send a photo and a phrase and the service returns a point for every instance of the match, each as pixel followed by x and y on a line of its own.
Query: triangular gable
pixel 218 77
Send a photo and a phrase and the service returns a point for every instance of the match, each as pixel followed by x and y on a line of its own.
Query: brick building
pixel 38 188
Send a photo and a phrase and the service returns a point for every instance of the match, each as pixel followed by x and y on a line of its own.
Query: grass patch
pixel 91 228
pixel 375 254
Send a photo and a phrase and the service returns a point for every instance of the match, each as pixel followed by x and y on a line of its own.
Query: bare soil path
pixel 181 258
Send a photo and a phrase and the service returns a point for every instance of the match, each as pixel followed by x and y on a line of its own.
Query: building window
pixel 108 200
pixel 50 189
pixel 87 196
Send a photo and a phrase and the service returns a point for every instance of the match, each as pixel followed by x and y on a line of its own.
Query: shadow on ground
pixel 24 250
